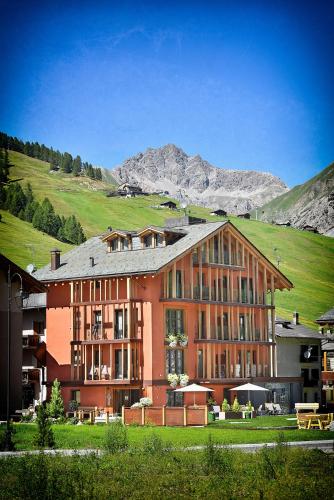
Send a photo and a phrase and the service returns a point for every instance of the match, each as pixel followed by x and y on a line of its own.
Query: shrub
pixel 6 439
pixel 236 405
pixel 55 407
pixel 116 438
pixel 153 444
pixel 73 405
pixel 225 405
pixel 44 437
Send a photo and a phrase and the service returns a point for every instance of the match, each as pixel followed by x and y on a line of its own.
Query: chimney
pixel 109 229
pixel 295 318
pixel 55 259
pixel 91 261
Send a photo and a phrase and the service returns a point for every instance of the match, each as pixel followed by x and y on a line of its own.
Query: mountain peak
pixel 170 168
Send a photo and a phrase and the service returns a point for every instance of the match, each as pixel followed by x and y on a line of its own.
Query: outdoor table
pixel 314 420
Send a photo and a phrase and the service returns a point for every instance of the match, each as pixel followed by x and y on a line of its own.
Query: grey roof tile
pixel 328 316
pixel 76 262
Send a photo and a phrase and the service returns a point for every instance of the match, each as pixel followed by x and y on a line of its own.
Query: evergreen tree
pixel 73 231
pixel 45 218
pixel 30 210
pixel 15 199
pixel 4 166
pixel 77 166
pixel 90 171
pixel 45 437
pixel 66 163
pixel 29 194
pixel 2 196
pixel 55 408
pixel 98 174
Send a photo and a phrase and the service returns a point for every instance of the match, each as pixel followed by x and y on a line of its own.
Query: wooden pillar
pixel 164 415
pixel 174 280
pixel 229 249
pixel 99 361
pixel 129 362
pixel 272 289
pixel 185 415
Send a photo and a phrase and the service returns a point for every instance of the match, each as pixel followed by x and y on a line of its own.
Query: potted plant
pixel 183 339
pixel 235 410
pixel 173 379
pixel 225 409
pixel 184 379
pixel 172 339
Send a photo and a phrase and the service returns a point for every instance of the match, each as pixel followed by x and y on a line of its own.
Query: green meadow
pixel 306 259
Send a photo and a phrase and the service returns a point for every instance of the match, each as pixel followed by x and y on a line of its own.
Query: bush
pixel 116 438
pixel 225 405
pixel 44 437
pixel 153 444
pixel 236 405
pixel 218 460
pixel 73 405
pixel 55 407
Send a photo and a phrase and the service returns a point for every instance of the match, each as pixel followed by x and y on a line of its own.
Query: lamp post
pixel 8 434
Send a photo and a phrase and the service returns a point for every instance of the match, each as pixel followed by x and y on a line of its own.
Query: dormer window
pixel 118 241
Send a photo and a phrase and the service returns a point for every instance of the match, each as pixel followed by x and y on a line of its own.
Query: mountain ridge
pixel 170 168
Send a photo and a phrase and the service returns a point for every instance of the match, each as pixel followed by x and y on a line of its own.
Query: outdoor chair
pixel 270 408
pixel 261 411
pixel 277 409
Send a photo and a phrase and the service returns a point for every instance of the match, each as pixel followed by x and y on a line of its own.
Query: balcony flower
pixel 172 338
pixel 184 379
pixel 182 339
pixel 173 379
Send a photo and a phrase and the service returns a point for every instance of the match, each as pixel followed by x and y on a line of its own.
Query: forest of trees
pixel 63 161
pixel 21 203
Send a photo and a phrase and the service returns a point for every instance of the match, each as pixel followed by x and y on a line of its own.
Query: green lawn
pixel 92 436
pixel 306 259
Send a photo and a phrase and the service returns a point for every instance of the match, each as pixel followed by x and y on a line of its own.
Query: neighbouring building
pixel 34 350
pixel 326 325
pixel 219 213
pixel 126 309
pixel 298 354
pixel 168 204
pixel 244 216
pixel 129 191
pixel 14 282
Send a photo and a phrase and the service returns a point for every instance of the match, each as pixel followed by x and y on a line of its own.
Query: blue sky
pixel 245 84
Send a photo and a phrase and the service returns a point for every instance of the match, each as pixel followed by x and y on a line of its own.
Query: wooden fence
pixel 166 415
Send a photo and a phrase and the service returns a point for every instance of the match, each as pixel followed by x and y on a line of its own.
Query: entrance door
pixel 125 397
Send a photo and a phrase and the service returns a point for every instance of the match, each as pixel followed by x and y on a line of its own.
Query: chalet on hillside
pixel 310 229
pixel 219 213
pixel 129 191
pixel 244 216
pixel 283 224
pixel 129 312
pixel 168 204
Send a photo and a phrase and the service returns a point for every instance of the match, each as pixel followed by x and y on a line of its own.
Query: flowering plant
pixel 173 379
pixel 184 379
pixel 183 339
pixel 142 402
pixel 172 340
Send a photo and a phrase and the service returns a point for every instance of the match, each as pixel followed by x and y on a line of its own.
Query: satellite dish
pixel 30 268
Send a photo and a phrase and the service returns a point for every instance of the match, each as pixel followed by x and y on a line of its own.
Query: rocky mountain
pixel 171 169
pixel 311 203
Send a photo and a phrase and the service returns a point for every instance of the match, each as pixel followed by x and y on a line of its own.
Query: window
pixel 202 325
pixel 200 363
pixel 174 321
pixel 242 326
pixel 225 289
pixel 96 357
pixel 148 241
pixel 75 395
pixel 226 254
pixel 203 251
pixel 174 398
pixel 174 361
pixel 97 317
pixel 121 369
pixel 114 245
pixel 225 326
pixel 244 290
pixel 160 240
pixel 195 256
pixel 178 284
pixel 121 324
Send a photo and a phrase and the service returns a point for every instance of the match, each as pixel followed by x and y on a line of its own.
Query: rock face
pixel 309 204
pixel 171 169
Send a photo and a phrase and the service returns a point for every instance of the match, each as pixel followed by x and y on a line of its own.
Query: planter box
pixel 223 415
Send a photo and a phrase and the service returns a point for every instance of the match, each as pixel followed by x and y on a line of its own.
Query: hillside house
pixel 168 204
pixel 219 213
pixel 298 354
pixel 244 216
pixel 326 324
pixel 129 191
pixel 126 309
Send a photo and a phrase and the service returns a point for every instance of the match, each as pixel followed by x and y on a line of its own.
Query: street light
pixel 10 278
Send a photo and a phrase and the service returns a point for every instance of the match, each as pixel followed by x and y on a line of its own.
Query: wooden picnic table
pixel 313 420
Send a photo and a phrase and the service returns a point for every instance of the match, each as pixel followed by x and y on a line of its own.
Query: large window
pixel 200 373
pixel 121 324
pixel 174 321
pixel 242 327
pixel 225 325
pixel 121 368
pixel 174 398
pixel 175 361
pixel 178 283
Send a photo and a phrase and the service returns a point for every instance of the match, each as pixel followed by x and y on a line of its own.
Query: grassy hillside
pixel 289 199
pixel 306 259
pixel 23 244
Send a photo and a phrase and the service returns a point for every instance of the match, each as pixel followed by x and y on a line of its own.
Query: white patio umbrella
pixel 249 387
pixel 194 388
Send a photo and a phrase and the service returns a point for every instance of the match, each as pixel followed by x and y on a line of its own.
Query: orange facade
pixel 108 337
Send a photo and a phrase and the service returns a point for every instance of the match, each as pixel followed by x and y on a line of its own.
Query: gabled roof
pixel 115 233
pixel 30 283
pixel 290 330
pixel 327 317
pixel 75 264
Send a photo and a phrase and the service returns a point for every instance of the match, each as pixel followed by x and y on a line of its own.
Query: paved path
pixel 324 445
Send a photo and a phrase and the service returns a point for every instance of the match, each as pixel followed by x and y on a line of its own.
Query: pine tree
pixel 15 199
pixel 30 210
pixel 77 166
pixel 98 174
pixel 28 193
pixel 45 437
pixel 66 163
pixel 55 408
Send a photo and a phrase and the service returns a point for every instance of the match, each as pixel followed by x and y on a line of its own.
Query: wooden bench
pixel 306 407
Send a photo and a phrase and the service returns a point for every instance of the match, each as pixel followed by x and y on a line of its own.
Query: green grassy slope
pixel 287 200
pixel 23 244
pixel 307 259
